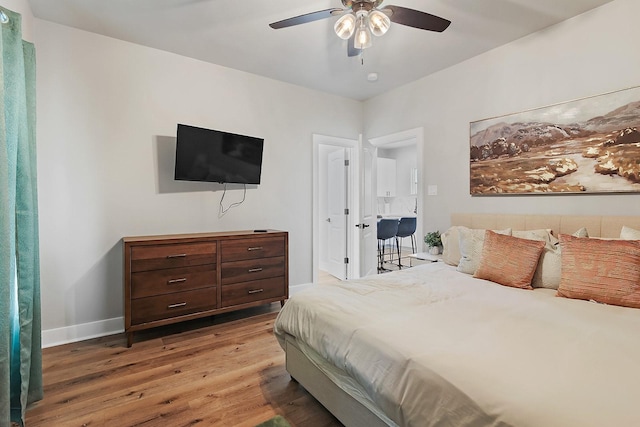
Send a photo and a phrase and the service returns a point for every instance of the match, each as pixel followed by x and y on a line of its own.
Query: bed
pixel 434 346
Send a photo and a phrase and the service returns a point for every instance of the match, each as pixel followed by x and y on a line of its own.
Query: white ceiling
pixel 236 34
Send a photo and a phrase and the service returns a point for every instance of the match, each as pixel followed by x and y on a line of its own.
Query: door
pixel 337 218
pixel 322 146
pixel 368 219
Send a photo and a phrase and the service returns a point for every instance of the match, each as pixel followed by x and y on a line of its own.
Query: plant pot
pixel 434 250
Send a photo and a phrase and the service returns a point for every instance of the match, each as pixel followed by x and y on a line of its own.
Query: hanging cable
pixel 222 209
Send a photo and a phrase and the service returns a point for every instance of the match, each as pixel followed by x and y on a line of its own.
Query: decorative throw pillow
pixel 606 271
pixel 581 232
pixel 451 246
pixel 544 234
pixel 508 260
pixel 549 268
pixel 471 242
pixel 628 233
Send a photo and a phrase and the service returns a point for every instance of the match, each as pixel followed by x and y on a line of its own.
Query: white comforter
pixel 434 347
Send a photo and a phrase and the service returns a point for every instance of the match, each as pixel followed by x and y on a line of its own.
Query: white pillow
pixel 543 234
pixel 581 232
pixel 628 233
pixel 451 246
pixel 471 242
pixel 549 270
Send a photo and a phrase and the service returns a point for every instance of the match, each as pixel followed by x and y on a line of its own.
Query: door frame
pixel 352 193
pixel 389 140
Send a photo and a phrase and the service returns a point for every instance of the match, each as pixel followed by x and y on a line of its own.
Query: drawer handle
pixel 180 304
pixel 177 256
pixel 174 281
pixel 255 291
pixel 255 248
pixel 255 270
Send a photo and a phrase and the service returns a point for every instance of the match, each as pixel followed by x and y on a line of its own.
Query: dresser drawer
pixel 158 282
pixel 171 305
pixel 242 271
pixel 155 257
pixel 255 290
pixel 241 249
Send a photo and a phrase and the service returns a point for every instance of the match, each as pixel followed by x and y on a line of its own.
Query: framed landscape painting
pixel 590 145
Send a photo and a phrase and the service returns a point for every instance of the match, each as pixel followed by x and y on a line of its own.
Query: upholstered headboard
pixel 597 226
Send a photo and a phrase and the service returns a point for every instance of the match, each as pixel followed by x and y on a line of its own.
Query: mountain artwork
pixel 591 145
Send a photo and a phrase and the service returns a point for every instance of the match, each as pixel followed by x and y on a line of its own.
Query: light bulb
pixel 363 35
pixel 345 26
pixel 378 22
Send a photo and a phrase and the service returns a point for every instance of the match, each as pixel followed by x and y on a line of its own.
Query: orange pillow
pixel 508 260
pixel 606 271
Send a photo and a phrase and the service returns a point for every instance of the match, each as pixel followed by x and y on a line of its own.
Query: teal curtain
pixel 20 330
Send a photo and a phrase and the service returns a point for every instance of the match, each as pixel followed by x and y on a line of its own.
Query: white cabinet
pixel 386 177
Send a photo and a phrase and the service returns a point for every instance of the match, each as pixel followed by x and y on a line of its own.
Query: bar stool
pixel 406 228
pixel 387 229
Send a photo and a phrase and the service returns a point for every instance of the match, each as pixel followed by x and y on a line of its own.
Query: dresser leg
pixel 282 303
pixel 129 339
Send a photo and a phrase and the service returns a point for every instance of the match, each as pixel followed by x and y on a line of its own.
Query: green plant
pixel 432 239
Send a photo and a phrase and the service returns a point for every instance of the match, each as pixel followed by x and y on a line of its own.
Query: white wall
pixel 590 54
pixel 107 115
pixel 107 112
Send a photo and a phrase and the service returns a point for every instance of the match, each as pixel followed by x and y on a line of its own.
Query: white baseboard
pixel 81 332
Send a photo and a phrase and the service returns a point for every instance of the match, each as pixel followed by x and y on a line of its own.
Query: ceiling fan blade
pixel 416 19
pixel 351 49
pixel 309 17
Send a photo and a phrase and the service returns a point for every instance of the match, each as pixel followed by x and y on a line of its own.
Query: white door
pixel 368 219
pixel 337 218
pixel 322 146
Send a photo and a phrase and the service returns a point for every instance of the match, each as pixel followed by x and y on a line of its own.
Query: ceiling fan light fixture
pixel 363 34
pixel 360 19
pixel 345 26
pixel 379 23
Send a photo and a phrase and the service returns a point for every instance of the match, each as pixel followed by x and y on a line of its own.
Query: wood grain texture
pixel 222 371
pixel 166 279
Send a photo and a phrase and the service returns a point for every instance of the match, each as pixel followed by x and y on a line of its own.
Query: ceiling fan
pixel 360 19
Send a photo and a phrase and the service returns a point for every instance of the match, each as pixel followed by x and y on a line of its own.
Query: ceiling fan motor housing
pixel 372 3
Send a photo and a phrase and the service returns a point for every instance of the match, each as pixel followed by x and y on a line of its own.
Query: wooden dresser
pixel 173 278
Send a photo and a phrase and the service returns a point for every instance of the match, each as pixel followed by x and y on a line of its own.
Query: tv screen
pixel 216 156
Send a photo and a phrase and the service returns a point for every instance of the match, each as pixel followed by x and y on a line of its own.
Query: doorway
pixel 359 190
pixel 404 197
pixel 334 193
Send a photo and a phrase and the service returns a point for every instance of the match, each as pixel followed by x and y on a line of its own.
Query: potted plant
pixel 433 241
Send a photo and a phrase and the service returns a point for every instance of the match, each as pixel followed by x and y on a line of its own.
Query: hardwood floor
pixel 222 371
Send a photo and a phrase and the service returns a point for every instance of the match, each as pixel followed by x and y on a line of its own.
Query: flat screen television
pixel 216 156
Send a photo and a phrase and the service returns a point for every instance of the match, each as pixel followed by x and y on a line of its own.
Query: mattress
pixel 430 346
